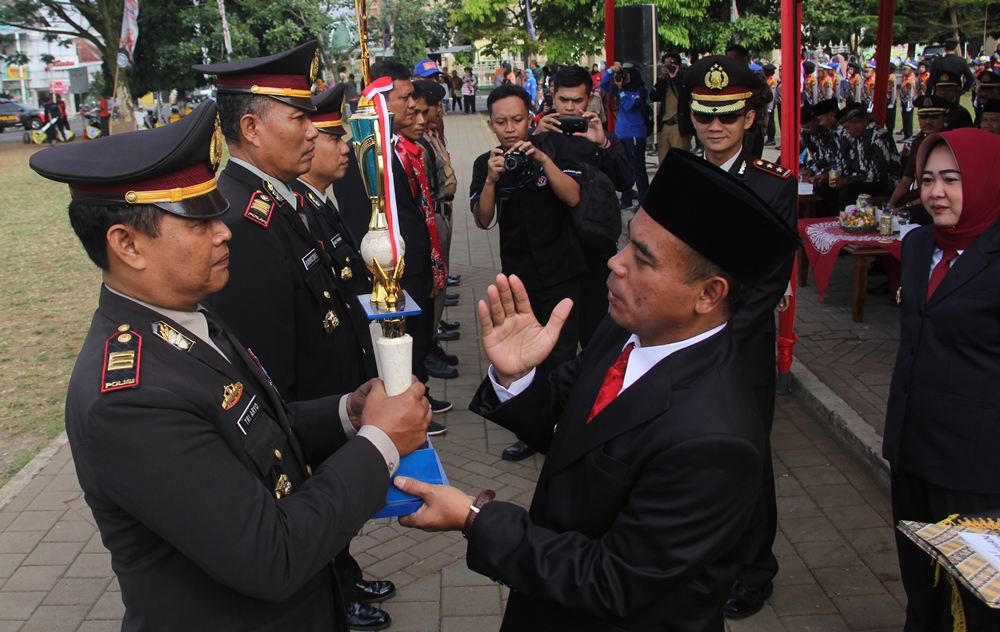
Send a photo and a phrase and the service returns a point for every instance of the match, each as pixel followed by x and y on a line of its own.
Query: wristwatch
pixel 481 500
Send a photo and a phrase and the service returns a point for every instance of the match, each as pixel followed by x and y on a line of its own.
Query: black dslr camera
pixel 515 162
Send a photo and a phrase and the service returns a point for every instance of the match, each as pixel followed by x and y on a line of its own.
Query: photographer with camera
pixel 529 192
pixel 673 123
pixel 625 82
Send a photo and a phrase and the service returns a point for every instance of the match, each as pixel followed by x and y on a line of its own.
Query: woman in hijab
pixel 942 429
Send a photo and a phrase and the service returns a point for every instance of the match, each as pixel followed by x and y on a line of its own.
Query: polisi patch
pixel 260 208
pixel 122 357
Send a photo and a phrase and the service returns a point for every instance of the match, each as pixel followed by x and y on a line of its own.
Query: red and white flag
pixel 375 92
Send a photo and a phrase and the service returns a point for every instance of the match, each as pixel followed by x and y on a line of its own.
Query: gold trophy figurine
pixel 382 248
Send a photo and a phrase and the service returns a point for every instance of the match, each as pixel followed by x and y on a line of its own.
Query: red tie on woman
pixel 940 270
pixel 613 381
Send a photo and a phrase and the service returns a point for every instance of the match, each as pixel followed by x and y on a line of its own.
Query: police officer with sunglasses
pixel 722 109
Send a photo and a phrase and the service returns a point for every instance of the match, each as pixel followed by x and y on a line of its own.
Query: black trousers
pixel 771 130
pixel 349 574
pixel 890 118
pixel 470 102
pixel 907 116
pixel 543 301
pixel 594 293
pixel 928 608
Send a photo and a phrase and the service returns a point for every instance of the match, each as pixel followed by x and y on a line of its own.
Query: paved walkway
pixel 835 545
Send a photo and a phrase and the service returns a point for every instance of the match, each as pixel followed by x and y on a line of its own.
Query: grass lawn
pixel 47 297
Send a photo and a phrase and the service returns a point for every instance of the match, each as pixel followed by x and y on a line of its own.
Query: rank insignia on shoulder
pixel 274 193
pixel 770 167
pixel 122 355
pixel 172 336
pixel 260 208
pixel 231 395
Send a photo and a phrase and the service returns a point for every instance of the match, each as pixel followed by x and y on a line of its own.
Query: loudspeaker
pixel 636 39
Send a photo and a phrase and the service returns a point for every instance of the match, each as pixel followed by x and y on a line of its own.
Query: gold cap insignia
pixel 716 78
pixel 215 148
pixel 314 67
pixel 231 394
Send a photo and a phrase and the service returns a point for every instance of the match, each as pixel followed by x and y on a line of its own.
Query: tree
pixel 415 29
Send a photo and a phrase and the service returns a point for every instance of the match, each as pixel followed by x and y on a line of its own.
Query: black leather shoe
pixel 744 602
pixel 363 616
pixel 457 278
pixel 449 325
pixel 447 336
pixel 450 296
pixel 450 302
pixel 517 452
pixel 376 590
pixel 449 358
pixel 436 367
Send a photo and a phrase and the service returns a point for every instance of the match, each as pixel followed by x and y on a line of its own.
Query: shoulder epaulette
pixel 770 167
pixel 122 356
pixel 259 208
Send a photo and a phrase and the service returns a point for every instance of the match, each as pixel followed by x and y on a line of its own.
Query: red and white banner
pixel 375 92
pixel 130 33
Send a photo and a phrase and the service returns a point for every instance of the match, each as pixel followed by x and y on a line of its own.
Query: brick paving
pixel 835 542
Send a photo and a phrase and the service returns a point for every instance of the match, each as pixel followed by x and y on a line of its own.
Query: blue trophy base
pixel 422 464
pixel 410 307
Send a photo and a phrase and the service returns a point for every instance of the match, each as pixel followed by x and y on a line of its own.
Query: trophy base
pixel 407 307
pixel 423 465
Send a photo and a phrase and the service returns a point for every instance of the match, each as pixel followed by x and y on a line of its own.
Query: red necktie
pixel 613 381
pixel 940 270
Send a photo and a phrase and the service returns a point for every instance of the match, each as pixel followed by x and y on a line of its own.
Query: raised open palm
pixel 513 339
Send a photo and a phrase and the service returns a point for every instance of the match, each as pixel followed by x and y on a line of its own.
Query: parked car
pixel 17 114
pixel 930 52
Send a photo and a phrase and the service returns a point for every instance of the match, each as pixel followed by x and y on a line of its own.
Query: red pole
pixel 609 47
pixel 883 45
pixel 791 89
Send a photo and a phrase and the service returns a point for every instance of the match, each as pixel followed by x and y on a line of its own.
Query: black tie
pixel 228 349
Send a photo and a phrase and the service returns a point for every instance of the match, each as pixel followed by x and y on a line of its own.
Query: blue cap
pixel 756 67
pixel 426 68
pixel 833 66
pixel 911 64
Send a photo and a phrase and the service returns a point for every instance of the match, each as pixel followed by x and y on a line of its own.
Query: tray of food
pixel 858 220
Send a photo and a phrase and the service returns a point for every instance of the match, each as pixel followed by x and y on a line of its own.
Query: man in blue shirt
pixel 625 82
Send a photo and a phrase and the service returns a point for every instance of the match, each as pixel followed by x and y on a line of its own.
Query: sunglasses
pixel 726 119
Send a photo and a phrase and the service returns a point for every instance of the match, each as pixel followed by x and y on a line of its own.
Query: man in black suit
pixel 417 278
pixel 722 109
pixel 954 64
pixel 284 299
pixel 639 518
pixel 217 515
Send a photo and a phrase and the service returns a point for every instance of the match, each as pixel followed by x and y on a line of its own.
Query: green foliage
pixel 929 22
pixel 416 29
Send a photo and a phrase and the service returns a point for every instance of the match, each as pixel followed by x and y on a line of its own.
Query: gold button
pixel 277 454
pixel 124 327
pixel 326 294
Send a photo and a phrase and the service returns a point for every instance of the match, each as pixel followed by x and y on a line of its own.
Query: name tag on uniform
pixel 248 415
pixel 336 241
pixel 310 259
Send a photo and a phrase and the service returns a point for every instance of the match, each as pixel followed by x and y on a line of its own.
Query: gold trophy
pixel 382 247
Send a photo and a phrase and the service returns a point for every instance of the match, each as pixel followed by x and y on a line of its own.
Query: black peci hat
pixel 806 114
pixel 432 91
pixel 329 105
pixel 852 110
pixel 693 199
pixel 286 76
pixel 171 167
pixel 721 85
pixel 826 106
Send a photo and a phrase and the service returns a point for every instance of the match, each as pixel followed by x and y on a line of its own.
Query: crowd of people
pixel 231 473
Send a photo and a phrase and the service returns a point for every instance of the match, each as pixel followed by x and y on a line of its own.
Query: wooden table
pixel 861 247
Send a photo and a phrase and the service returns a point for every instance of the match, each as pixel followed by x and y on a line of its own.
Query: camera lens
pixel 515 162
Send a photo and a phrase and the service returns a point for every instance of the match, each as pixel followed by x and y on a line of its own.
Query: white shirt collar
pixel 279 186
pixel 642 359
pixel 726 166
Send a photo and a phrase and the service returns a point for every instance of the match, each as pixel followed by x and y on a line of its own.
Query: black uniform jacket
pixel 943 418
pixel 282 298
pixel 753 326
pixel 418 277
pixel 182 488
pixel 613 161
pixel 637 517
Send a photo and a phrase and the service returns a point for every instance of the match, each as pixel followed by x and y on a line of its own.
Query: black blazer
pixel 943 416
pixel 185 500
pixel 638 516
pixel 283 301
pixel 753 326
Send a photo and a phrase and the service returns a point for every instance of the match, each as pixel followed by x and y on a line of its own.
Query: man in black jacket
pixel 217 515
pixel 673 120
pixel 653 446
